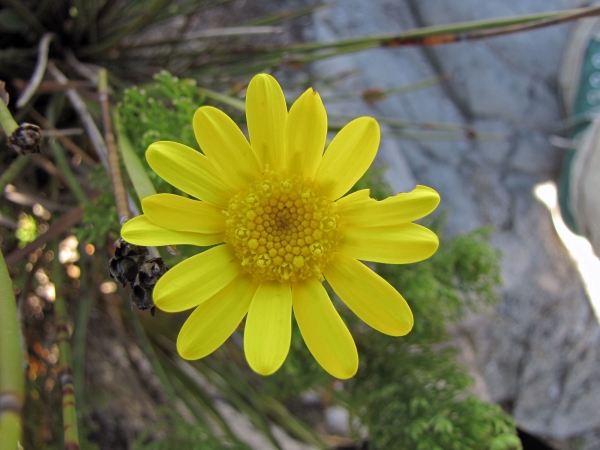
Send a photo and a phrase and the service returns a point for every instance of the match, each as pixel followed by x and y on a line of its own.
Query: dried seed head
pixel 148 275
pixel 151 271
pixel 123 270
pixel 26 139
pixel 124 249
pixel 125 265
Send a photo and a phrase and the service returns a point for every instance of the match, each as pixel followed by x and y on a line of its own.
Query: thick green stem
pixel 9 125
pixel 65 371
pixel 12 378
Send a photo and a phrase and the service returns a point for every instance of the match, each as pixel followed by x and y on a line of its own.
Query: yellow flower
pixel 275 206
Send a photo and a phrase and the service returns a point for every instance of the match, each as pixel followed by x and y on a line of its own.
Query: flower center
pixel 281 230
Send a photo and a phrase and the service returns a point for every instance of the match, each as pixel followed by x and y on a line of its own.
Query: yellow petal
pixel 323 330
pixel 196 279
pixel 268 332
pixel 369 296
pixel 183 214
pixel 305 134
pixel 226 147
pixel 402 244
pixel 213 321
pixel 189 171
pixel 141 231
pixel 348 157
pixel 362 211
pixel 266 114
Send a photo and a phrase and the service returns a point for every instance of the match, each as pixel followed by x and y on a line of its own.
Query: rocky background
pixel 537 353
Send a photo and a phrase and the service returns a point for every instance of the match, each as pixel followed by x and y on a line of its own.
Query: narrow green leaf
pixel 135 169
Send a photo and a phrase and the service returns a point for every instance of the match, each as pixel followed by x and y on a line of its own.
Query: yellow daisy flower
pixel 275 206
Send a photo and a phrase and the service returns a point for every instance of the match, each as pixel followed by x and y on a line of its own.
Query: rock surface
pixel 537 352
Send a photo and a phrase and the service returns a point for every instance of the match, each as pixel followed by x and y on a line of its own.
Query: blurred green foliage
pixel 100 222
pixel 162 111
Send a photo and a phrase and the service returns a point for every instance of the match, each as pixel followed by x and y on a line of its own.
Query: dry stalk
pixel 123 211
pixel 38 73
pixel 84 115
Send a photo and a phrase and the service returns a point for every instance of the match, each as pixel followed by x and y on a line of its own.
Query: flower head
pixel 275 206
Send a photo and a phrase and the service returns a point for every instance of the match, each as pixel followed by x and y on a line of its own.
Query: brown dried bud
pixel 125 265
pixel 124 249
pixel 26 139
pixel 143 285
pixel 123 270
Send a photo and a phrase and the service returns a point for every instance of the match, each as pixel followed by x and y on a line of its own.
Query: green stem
pixel 374 95
pixel 137 173
pixel 284 15
pixel 84 309
pixel 223 98
pixel 63 166
pixel 204 407
pixel 460 27
pixel 148 350
pixel 13 171
pixel 65 371
pixel 12 377
pixel 9 125
pixel 123 211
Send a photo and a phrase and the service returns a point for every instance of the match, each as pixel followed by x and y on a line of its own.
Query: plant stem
pixel 12 377
pixel 65 141
pixel 84 308
pixel 137 173
pixel 84 115
pixel 223 98
pixel 13 171
pixel 63 166
pixel 148 350
pixel 285 15
pixel 436 30
pixel 123 211
pixel 9 125
pixel 65 371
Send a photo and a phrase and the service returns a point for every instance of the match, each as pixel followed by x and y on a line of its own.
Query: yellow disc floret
pixel 281 229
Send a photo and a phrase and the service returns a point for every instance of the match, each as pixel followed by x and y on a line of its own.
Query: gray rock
pixel 536 354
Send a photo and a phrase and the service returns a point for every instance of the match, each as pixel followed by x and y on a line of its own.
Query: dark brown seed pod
pixel 124 249
pixel 148 275
pixel 126 263
pixel 123 270
pixel 26 139
pixel 151 271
